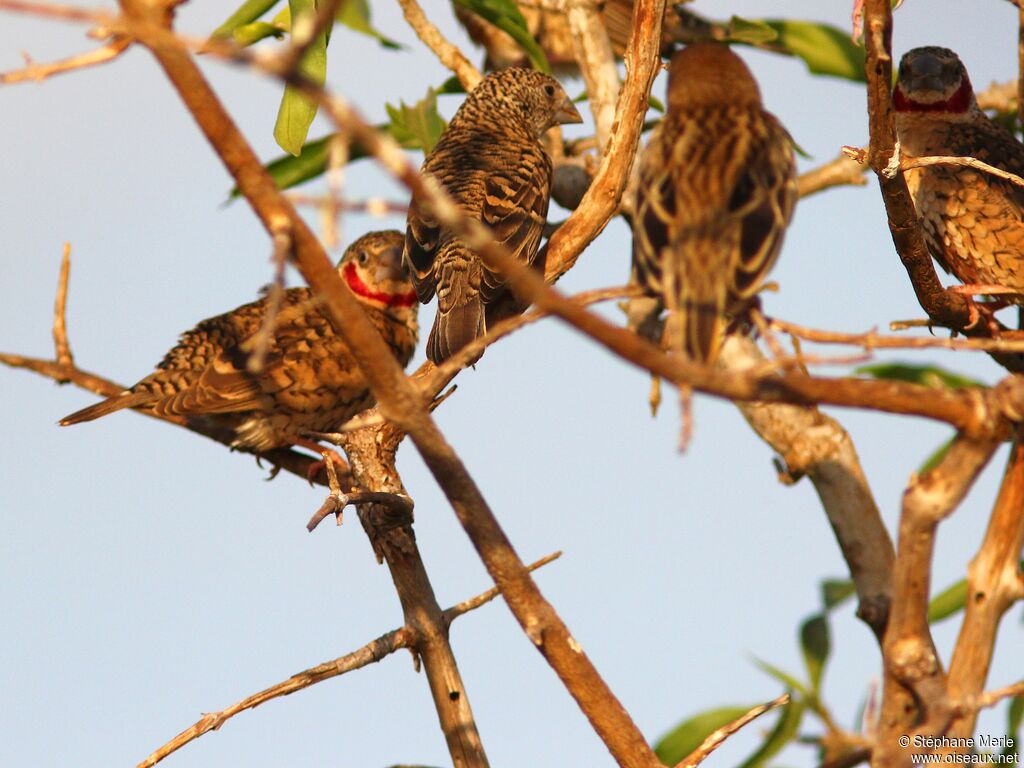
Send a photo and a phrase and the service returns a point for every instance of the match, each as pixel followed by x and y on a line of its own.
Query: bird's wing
pixel 515 207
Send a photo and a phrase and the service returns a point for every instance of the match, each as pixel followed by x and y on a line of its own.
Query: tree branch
pixel 914 688
pixel 372 652
pixel 450 56
pixel 994 583
pixel 813 444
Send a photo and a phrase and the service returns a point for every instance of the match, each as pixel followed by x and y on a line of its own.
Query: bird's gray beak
pixel 925 74
pixel 389 265
pixel 567 113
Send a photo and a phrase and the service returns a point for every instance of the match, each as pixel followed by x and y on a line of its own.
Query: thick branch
pixel 994 583
pixel 914 689
pixel 597 64
pixel 813 444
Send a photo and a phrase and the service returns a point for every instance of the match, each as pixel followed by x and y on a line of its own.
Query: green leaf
pixel 451 85
pixel 688 735
pixel 936 456
pixel 784 677
pixel 1014 717
pixel 418 126
pixel 505 15
pixel 297 110
pixel 248 34
pixel 948 602
pixel 655 103
pixel 750 31
pixel 247 12
pixel 834 592
pixel 814 642
pixel 825 49
pixel 783 733
pixel 355 14
pixel 928 375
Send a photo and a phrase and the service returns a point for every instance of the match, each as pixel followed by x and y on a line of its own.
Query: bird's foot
pixel 314 469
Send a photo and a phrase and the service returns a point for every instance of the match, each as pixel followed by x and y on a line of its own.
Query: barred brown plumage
pixel 716 192
pixel 973 222
pixel 490 160
pixel 309 380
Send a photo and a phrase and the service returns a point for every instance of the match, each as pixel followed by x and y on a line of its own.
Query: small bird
pixel 973 221
pixel 490 160
pixel 716 191
pixel 308 381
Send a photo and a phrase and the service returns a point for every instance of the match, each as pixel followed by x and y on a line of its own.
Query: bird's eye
pixel 362 257
pixel 549 90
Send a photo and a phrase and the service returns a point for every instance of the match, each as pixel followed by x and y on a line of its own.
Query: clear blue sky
pixel 148 575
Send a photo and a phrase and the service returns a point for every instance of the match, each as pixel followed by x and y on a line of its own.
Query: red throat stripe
pixel 359 288
pixel 957 103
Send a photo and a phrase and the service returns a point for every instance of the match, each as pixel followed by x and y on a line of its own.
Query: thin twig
pixel 716 738
pixel 372 652
pixel 842 171
pixel 60 328
pixel 908 162
pixel 448 54
pixel 871 340
pixel 282 241
pixel 372 206
pixel 38 72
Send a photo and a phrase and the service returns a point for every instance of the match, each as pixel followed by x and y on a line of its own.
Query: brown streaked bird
pixel 716 192
pixel 973 222
pixel 490 160
pixel 309 380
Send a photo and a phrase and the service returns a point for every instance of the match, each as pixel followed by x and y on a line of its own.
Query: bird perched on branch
pixel 716 192
pixel 490 160
pixel 973 221
pixel 308 381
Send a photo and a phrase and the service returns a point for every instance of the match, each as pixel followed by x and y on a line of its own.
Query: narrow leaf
pixel 815 645
pixel 948 602
pixel 688 735
pixel 355 14
pixel 247 12
pixel 750 31
pixel 937 455
pixel 297 110
pixel 783 733
pixel 835 592
pixel 249 34
pixel 783 677
pixel 825 49
pixel 928 375
pixel 506 16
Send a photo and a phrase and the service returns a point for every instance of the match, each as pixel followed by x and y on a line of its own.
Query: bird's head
pixel 709 74
pixel 524 97
pixel 932 79
pixel 372 267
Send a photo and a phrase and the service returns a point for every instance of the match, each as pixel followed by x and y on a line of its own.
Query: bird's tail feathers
pixel 111 404
pixel 455 328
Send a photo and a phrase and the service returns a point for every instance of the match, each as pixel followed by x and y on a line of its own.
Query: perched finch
pixel 716 191
pixel 973 221
pixel 308 381
pixel 490 160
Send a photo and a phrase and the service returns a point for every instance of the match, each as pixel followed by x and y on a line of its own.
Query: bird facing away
pixel 491 162
pixel 973 221
pixel 716 191
pixel 309 379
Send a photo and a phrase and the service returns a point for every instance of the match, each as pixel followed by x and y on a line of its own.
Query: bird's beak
pixel 925 74
pixel 389 266
pixel 567 113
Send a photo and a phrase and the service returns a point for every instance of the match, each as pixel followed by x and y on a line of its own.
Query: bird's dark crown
pixel 520 99
pixel 932 79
